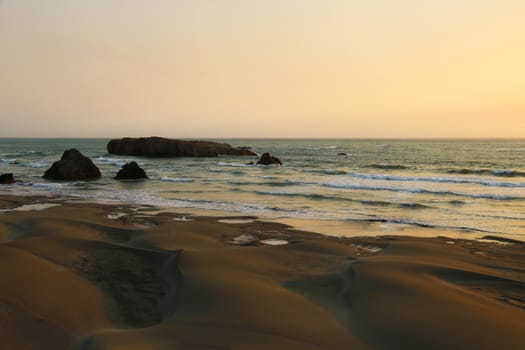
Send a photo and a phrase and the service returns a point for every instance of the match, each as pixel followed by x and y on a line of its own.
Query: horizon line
pixel 272 138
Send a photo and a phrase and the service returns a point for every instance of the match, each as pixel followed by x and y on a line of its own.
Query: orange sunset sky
pixel 273 68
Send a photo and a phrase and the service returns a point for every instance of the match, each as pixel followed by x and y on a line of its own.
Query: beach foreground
pixel 96 276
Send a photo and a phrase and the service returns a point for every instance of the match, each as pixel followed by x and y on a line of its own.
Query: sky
pixel 272 68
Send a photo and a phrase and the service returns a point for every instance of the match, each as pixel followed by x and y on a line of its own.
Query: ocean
pixel 465 186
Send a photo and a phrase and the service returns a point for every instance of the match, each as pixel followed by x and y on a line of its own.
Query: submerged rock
pixel 7 179
pixel 162 147
pixel 72 166
pixel 131 171
pixel 267 159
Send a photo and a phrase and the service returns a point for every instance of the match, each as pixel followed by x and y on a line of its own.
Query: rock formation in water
pixel 162 147
pixel 131 171
pixel 72 166
pixel 267 159
pixel 7 179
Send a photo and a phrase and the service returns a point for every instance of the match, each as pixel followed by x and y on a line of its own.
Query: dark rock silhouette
pixel 131 171
pixel 162 147
pixel 72 166
pixel 7 179
pixel 267 159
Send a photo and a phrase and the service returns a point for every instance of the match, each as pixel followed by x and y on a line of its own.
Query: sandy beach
pixel 98 276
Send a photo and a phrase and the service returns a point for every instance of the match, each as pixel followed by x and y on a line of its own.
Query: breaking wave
pixel 493 172
pixel 436 179
pixel 423 191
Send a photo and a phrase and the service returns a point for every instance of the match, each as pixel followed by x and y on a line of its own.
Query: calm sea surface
pixel 465 186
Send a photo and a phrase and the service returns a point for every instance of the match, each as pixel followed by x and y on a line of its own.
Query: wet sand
pixel 98 276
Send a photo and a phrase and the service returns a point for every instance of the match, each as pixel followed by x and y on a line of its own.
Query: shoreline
pixel 84 276
pixel 332 228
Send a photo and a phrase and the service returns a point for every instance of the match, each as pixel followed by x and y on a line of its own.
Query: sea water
pixel 460 185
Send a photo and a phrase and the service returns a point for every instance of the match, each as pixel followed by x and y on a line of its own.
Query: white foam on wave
pixel 326 171
pixel 436 179
pixel 322 147
pixel 504 172
pixel 52 185
pixel 235 165
pixel 114 161
pixel 37 165
pixel 422 191
pixel 176 179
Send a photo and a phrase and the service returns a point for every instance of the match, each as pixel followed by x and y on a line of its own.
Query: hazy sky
pixel 272 68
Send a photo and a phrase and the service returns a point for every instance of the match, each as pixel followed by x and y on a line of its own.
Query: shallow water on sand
pixel 465 186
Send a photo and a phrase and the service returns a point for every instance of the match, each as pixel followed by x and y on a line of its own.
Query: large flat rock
pixel 162 147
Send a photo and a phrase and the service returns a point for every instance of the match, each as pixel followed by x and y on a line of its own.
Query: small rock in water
pixel 267 159
pixel 72 166
pixel 7 179
pixel 131 171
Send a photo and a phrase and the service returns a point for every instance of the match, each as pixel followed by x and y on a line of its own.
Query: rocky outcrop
pixel 267 159
pixel 7 179
pixel 162 147
pixel 72 166
pixel 131 171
